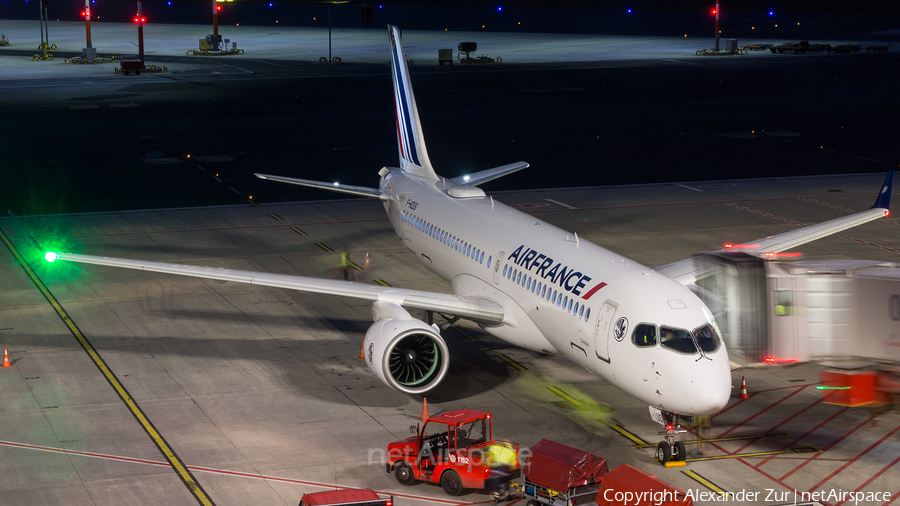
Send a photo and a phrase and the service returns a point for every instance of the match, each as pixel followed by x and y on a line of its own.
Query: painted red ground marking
pixel 221 471
pixel 779 424
pixel 870 480
pixel 854 459
pixel 763 411
pixel 810 431
pixel 733 405
pixel 830 446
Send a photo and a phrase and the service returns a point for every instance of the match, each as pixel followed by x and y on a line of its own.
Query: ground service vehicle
pixel 346 497
pixel 449 449
pixel 558 475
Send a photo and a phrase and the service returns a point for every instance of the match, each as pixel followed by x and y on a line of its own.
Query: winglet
pixel 410 140
pixel 884 197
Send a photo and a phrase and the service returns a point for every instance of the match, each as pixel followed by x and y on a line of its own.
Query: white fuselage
pixel 564 295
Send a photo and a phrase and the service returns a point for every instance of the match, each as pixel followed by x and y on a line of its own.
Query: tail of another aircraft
pixel 410 140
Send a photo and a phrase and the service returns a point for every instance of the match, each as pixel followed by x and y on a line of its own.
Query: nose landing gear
pixel 671 453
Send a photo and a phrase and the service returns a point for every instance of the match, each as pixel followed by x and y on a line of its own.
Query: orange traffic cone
pixel 743 394
pixel 424 409
pixel 362 344
pixel 5 358
pixel 367 264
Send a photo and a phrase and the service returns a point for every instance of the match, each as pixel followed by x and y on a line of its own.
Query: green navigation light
pixel 50 256
pixel 820 387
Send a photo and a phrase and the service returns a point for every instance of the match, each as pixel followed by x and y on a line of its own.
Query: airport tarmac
pixel 257 396
pixel 162 42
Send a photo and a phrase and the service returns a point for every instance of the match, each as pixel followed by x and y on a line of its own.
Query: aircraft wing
pixel 490 174
pixel 362 191
pixel 787 240
pixel 474 308
pixel 685 271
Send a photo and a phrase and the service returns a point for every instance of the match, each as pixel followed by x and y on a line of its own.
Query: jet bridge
pixel 782 312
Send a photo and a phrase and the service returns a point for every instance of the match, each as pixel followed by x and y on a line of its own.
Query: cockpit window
pixel 644 335
pixel 707 338
pixel 677 339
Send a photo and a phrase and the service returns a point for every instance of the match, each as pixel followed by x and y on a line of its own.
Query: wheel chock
pixel 676 463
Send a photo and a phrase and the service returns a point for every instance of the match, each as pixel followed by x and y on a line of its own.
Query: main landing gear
pixel 670 451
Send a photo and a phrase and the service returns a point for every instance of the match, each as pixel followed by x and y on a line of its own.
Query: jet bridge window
pixel 678 340
pixel 785 304
pixel 707 338
pixel 644 335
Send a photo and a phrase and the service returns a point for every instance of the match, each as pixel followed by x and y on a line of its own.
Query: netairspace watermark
pixel 475 458
pixel 660 497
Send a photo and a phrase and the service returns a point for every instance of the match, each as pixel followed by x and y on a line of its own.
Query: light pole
pixel 717 25
pixel 140 21
pixel 87 22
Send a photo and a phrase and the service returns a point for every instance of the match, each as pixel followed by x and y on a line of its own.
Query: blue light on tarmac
pixel 499 9
pixel 629 11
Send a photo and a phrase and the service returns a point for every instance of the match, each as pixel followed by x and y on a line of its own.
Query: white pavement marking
pixel 561 204
pixel 688 187
pixel 226 472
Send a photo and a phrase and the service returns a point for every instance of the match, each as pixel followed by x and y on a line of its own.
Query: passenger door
pixel 601 334
pixel 497 268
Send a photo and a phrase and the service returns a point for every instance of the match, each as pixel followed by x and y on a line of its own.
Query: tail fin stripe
pixel 410 141
pixel 404 112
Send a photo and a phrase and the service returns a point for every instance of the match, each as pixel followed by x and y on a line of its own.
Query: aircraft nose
pixel 711 388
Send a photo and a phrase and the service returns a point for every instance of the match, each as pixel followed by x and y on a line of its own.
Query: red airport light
pixel 84 14
pixel 140 19
pixel 713 12
pixel 218 8
pixel 670 427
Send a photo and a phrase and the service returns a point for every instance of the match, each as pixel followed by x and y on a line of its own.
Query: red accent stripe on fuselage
pixel 593 291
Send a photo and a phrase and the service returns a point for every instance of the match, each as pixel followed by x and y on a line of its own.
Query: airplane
pixel 527 282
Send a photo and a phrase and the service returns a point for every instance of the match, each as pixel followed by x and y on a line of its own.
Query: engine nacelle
pixel 405 353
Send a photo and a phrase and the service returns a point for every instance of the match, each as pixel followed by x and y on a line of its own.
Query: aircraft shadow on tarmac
pixel 474 368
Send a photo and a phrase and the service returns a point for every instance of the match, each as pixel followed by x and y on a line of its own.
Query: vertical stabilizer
pixel 410 141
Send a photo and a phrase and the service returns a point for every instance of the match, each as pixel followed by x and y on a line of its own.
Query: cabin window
pixel 553 299
pixel 677 339
pixel 481 259
pixel 644 335
pixel 588 315
pixel 504 267
pixel 581 313
pixel 569 309
pixel 576 309
pixel 519 279
pixel 707 338
pixel 489 260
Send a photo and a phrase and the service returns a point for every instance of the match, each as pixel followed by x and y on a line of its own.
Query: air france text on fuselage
pixel 541 265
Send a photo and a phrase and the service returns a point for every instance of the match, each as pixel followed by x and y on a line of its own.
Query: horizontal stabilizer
pixel 363 191
pixel 490 174
pixel 475 308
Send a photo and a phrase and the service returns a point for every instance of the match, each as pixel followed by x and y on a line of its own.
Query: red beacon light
pixel 713 12
pixel 140 19
pixel 218 8
pixel 670 427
